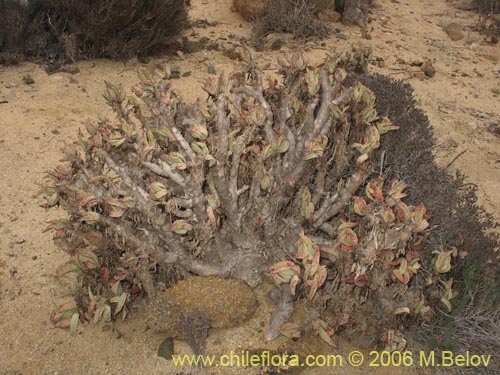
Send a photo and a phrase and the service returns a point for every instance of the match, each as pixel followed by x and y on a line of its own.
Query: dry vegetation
pixel 304 179
pixel 297 17
pixel 70 30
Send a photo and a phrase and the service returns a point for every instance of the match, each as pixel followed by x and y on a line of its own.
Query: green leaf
pixel 284 271
pixel 290 330
pixel 181 227
pixel 199 131
pixel 442 263
pixel 360 206
pixel 157 190
pixel 385 126
pixel 307 207
pixel 75 319
pixel 388 216
pixel 306 247
pixel 177 160
pixel 120 302
pixel 200 148
pixel 403 212
pixel 313 81
pixel 374 189
pixel 348 237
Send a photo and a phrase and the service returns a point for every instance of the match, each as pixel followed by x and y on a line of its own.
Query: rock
pixel 186 310
pixel 71 69
pixel 53 68
pixel 250 9
pixel 274 36
pixel 211 69
pixel 166 349
pixel 454 31
pixel 428 69
pixel 354 12
pixel 28 79
pixel 496 90
pixel 275 41
pixel 175 72
pixel 494 129
pixel 491 55
pixel 419 75
pixel 277 44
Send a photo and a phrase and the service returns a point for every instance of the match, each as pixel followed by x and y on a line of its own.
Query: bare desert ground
pixel 461 101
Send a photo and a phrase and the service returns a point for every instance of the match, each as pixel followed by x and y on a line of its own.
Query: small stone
pixel 175 72
pixel 366 34
pixel 454 31
pixel 211 69
pixel 56 132
pixel 492 56
pixel 71 69
pixel 277 44
pixel 495 129
pixel 53 68
pixel 428 69
pixel 213 46
pixel 259 46
pixel 186 74
pixel 496 90
pixel 310 44
pixel 419 75
pixel 28 79
pixel 473 125
pixel 166 349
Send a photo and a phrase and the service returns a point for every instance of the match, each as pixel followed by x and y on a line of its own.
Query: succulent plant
pixel 265 172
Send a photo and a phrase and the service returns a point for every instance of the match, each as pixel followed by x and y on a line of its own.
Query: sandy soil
pixel 39 119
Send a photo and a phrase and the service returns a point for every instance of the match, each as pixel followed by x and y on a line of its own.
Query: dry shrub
pixel 12 14
pixel 490 22
pixel 456 217
pixel 123 28
pixel 66 30
pixel 297 17
pixel 488 6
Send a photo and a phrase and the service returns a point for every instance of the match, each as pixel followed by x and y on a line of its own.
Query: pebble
pixel 473 125
pixel 211 69
pixel 277 44
pixel 428 69
pixel 28 79
pixel 454 31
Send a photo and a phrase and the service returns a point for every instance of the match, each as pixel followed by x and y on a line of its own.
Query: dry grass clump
pixel 12 13
pixel 66 30
pixel 488 6
pixel 297 17
pixel 490 23
pixel 123 28
pixel 456 218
